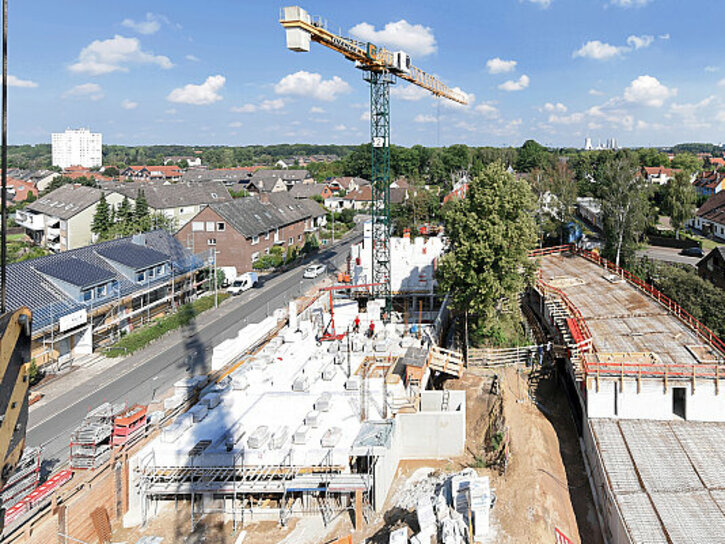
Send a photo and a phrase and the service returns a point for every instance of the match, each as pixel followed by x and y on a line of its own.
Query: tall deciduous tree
pixel 491 232
pixel 687 162
pixel 624 205
pixel 141 212
pixel 680 198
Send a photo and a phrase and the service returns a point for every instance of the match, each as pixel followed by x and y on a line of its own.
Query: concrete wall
pixel 653 402
pixel 614 529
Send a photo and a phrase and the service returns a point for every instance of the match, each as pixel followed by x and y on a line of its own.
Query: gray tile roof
pixel 66 201
pixel 306 190
pixel 28 284
pixel 161 196
pixel 133 255
pixel 227 176
pixel 252 217
pixel 286 175
pixel 75 271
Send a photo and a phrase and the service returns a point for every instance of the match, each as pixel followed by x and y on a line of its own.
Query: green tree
pixel 491 233
pixel 532 155
pixel 624 206
pixel 111 171
pixel 687 162
pixel 679 203
pixel 101 219
pixel 141 213
pixel 124 218
pixel 649 156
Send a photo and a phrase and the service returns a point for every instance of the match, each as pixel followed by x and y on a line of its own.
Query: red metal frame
pixel 598 368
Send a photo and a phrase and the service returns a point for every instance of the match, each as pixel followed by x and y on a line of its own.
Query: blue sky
pixel 646 72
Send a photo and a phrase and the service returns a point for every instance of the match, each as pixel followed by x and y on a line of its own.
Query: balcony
pixel 29 220
pixel 53 234
pixel 54 246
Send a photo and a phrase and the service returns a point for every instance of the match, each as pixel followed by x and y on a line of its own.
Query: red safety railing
pixel 660 370
pixel 576 315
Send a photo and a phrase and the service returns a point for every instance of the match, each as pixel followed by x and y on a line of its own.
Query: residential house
pixel 658 175
pixel 712 267
pixel 289 177
pixel 19 190
pixel 710 217
pixel 40 178
pixel 179 201
pixel 149 173
pixel 244 229
pixel 266 185
pixel 709 183
pixel 335 203
pixel 590 209
pixel 358 199
pixel 308 190
pixel 346 183
pixel 61 220
pixel 85 298
pixel 717 162
pixel 234 178
pixel 190 161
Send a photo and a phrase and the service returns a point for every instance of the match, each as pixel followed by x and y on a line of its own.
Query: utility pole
pixel 4 158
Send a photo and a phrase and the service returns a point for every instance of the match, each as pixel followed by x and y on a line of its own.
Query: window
pixel 210 226
pixel 100 291
pixel 291 240
pixel 151 272
pixel 266 236
pixel 255 240
pixel 255 256
pixel 221 227
pixel 213 195
pixel 197 226
pixel 181 210
pixel 266 251
pixel 87 295
pixel 679 400
pixel 211 241
pixel 141 276
pixel 299 237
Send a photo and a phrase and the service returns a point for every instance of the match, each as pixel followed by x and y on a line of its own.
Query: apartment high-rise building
pixel 77 147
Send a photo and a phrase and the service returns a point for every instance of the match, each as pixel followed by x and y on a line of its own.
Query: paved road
pixel 667 254
pixel 149 373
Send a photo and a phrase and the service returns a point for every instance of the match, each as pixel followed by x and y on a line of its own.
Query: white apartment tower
pixel 77 147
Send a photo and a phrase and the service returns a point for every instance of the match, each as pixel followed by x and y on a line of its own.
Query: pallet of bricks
pixel 90 444
pixel 24 480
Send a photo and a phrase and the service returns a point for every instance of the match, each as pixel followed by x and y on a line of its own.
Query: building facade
pixel 77 147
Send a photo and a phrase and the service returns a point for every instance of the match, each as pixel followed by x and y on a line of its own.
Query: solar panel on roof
pixel 133 255
pixel 76 272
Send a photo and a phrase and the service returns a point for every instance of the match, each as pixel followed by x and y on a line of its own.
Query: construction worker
pixel 371 329
pixel 356 324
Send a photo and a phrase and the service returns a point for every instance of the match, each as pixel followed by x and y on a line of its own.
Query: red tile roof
pixel 659 170
pixel 714 208
pixel 22 188
pixel 363 194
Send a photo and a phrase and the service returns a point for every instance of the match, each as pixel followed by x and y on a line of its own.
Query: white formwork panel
pixel 660 460
pixel 718 496
pixel 640 519
pixel 704 444
pixel 690 518
pixel 617 462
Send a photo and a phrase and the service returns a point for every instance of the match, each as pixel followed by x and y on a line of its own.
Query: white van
pixel 314 270
pixel 242 283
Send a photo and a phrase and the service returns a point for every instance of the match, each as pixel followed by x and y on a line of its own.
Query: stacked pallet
pixel 90 444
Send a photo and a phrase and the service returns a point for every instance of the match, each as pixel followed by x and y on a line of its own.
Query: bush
pixel 34 374
pixel 140 338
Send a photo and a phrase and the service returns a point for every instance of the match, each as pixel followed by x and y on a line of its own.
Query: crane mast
pixel 380 68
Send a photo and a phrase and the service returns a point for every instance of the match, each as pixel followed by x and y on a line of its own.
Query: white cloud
pixel 519 85
pixel 566 119
pixel 365 116
pixel 171 111
pixel 470 99
pixel 192 58
pixel 712 68
pixel 488 110
pixel 127 104
pixel 555 108
pixel 340 127
pixel 597 50
pixel 150 25
pixel 235 124
pixel 640 42
pixel 595 92
pixel 721 83
pixel 648 91
pixel 316 109
pixel 246 108
pixel 664 36
pixel 421 118
pixel 199 95
pixel 720 116
pixel 630 3
pixel 271 105
pixel 409 92
pixel 416 40
pixel 500 66
pixel 542 3
pixel 14 81
pixel 312 85
pixel 85 90
pixel 105 56
pixel 690 109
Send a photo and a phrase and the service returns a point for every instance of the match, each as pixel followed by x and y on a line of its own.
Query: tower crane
pixel 380 68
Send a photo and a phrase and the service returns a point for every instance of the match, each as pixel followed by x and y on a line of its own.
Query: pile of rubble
pixel 450 509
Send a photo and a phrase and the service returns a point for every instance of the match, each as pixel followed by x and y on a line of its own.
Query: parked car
pixel 693 252
pixel 314 270
pixel 242 283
